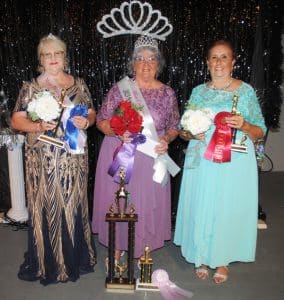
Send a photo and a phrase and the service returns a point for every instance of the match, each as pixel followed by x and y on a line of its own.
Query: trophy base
pixel 239 148
pixel 120 284
pixel 146 286
pixel 51 140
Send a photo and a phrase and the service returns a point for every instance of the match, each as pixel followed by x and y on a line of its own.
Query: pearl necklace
pixel 212 86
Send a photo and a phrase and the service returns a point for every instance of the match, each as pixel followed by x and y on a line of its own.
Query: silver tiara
pixel 51 37
pixel 148 22
pixel 146 41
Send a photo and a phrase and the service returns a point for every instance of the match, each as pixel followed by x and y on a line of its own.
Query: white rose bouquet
pixel 44 106
pixel 197 121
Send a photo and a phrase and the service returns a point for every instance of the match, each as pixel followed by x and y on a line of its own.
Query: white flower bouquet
pixel 197 121
pixel 44 106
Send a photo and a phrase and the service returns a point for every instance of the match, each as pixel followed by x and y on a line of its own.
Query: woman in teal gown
pixel 217 212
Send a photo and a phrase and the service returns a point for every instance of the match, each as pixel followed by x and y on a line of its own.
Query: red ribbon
pixel 219 147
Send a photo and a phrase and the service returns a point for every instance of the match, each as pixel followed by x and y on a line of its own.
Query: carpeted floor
pixel 262 280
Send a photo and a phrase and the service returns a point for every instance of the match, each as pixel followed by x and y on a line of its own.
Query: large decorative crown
pixel 127 20
pixel 146 41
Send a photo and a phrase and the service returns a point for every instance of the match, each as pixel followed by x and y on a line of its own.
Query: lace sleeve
pixel 255 116
pixel 172 109
pixel 109 104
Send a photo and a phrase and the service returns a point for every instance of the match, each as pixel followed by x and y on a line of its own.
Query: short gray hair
pixel 158 55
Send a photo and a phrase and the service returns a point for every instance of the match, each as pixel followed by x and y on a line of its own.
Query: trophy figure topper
pixel 52 139
pixel 241 147
pixel 121 198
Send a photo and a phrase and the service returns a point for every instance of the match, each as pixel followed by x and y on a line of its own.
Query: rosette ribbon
pixel 124 157
pixel 168 289
pixel 219 147
pixel 75 137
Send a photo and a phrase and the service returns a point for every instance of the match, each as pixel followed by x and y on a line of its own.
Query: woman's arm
pixel 104 127
pixel 254 132
pixel 170 135
pixel 20 121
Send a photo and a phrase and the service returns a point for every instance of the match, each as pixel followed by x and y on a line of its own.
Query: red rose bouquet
pixel 126 118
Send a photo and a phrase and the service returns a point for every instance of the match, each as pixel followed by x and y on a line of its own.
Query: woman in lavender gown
pixel 151 199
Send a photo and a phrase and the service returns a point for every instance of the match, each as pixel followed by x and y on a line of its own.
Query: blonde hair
pixel 48 39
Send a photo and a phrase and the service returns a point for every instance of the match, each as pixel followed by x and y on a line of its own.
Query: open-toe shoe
pixel 221 275
pixel 202 272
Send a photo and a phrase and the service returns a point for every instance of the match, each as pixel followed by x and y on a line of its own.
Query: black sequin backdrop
pixel 253 26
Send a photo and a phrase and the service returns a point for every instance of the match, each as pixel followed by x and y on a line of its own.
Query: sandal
pixel 220 277
pixel 202 272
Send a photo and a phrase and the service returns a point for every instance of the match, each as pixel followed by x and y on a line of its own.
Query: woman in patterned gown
pixel 217 211
pixel 60 247
pixel 151 200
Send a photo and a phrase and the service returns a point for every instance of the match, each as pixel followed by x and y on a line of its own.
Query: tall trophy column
pixel 121 212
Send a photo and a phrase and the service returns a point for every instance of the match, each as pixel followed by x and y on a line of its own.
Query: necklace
pixel 224 88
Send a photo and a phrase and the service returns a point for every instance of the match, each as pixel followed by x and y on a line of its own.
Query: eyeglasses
pixel 142 59
pixel 56 55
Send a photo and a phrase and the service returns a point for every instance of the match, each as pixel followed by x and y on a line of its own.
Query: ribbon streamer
pixel 71 131
pixel 219 147
pixel 124 157
pixel 168 289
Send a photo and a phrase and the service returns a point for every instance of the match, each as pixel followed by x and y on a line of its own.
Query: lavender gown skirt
pixel 151 201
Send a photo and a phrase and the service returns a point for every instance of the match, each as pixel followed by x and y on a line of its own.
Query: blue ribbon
pixel 71 131
pixel 125 158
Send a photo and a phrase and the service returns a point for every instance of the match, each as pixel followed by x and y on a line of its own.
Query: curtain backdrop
pixel 253 26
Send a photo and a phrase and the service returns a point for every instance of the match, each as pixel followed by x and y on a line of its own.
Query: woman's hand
pixel 125 137
pixel 45 126
pixel 199 136
pixel 236 121
pixel 186 135
pixel 162 147
pixel 80 122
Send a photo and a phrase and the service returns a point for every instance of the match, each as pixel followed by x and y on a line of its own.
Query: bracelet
pixel 87 124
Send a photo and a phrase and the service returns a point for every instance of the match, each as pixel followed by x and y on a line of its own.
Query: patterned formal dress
pixel 60 246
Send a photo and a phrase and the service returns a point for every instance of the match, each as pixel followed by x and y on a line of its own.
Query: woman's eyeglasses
pixel 142 59
pixel 56 55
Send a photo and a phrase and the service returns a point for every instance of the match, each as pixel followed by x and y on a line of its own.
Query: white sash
pixel 163 163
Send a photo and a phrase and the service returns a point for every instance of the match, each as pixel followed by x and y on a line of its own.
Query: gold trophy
pixel 52 139
pixel 145 280
pixel 241 147
pixel 116 278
